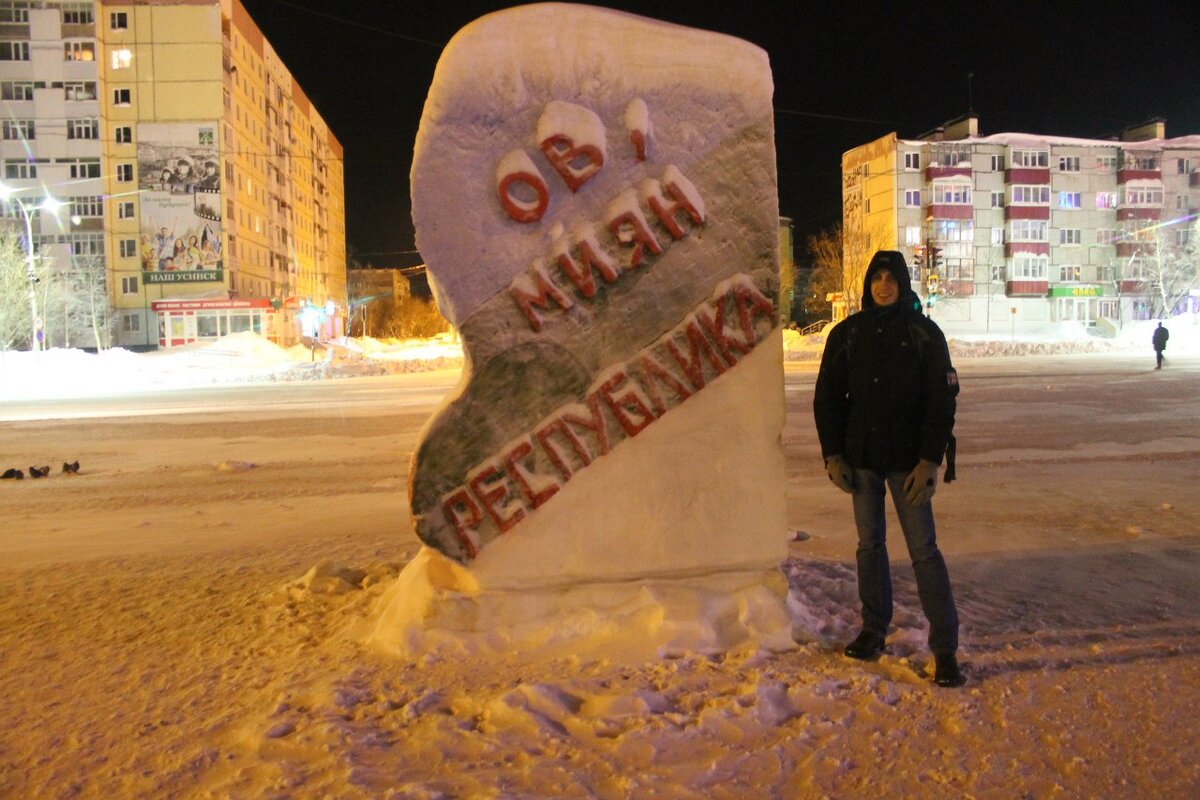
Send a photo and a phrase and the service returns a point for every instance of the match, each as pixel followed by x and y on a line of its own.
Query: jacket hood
pixel 893 261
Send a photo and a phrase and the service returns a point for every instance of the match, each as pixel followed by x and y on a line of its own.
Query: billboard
pixel 179 183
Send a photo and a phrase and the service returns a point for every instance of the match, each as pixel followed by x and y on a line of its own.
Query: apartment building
pixel 191 161
pixel 1016 232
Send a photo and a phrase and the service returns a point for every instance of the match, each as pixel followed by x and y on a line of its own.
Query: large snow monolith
pixel 594 195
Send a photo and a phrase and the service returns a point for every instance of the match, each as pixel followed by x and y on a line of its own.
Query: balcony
pixel 937 171
pixel 1027 212
pixel 1127 174
pixel 1139 212
pixel 951 211
pixel 1036 248
pixel 1027 288
pixel 1194 179
pixel 1035 176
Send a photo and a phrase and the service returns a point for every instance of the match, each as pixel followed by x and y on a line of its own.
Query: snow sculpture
pixel 595 197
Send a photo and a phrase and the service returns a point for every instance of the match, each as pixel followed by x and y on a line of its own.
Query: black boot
pixel 947 673
pixel 865 647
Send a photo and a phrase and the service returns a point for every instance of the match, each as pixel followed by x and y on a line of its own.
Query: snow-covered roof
pixel 1041 140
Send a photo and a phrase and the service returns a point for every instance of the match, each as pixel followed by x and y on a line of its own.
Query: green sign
pixel 1076 291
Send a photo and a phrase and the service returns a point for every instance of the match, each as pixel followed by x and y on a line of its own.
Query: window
pixel 866 208
pixel 952 193
pixel 912 198
pixel 123 134
pixel 90 206
pixel 79 51
pixel 83 129
pixel 121 97
pixel 18 129
pixel 942 154
pixel 125 209
pixel 1028 230
pixel 131 323
pixel 124 173
pixel 997 163
pixel 1030 158
pixel 77 14
pixel 1183 166
pixel 129 285
pixel 998 199
pixel 20 171
pixel 1030 195
pixel 1107 236
pixel 912 160
pixel 999 273
pixel 912 234
pixel 128 249
pixel 86 244
pixel 1146 162
pixel 1028 266
pixel 85 168
pixel 1070 273
pixel 1070 236
pixel 1068 164
pixel 997 236
pixel 16 90
pixel 1106 199
pixel 1183 236
pixel 1143 196
pixel 122 58
pixel 14 51
pixel 1106 162
pixel 79 90
pixel 118 21
pixel 1068 199
pixel 14 11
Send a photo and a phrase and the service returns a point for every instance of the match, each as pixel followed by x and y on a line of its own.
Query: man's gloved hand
pixel 921 483
pixel 840 473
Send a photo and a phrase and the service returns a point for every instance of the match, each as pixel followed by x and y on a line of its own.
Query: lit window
pixel 1070 273
pixel 1106 199
pixel 1068 199
pixel 79 51
pixel 122 58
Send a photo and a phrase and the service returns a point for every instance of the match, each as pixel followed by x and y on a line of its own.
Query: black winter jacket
pixel 885 394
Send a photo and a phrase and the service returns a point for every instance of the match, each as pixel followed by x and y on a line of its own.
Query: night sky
pixel 845 73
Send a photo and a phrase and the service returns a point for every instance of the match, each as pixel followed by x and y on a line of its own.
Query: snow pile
pixel 238 358
pixel 1056 339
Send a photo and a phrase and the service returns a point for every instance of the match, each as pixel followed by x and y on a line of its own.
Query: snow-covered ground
pixel 188 615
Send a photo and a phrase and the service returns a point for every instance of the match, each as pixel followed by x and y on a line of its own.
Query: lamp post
pixel 9 194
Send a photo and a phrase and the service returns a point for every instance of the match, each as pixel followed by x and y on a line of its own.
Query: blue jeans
pixel 874 573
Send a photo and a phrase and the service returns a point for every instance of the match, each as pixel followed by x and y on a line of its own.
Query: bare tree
pixel 1175 273
pixel 16 322
pixel 414 318
pixel 825 249
pixel 90 308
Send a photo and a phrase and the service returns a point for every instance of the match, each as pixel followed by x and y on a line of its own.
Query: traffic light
pixel 918 259
pixel 936 262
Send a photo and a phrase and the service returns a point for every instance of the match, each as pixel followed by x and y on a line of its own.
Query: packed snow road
pixel 159 635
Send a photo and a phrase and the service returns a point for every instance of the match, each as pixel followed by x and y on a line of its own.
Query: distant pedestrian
pixel 1159 339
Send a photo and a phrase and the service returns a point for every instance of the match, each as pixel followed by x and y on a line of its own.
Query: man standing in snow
pixel 1159 339
pixel 884 407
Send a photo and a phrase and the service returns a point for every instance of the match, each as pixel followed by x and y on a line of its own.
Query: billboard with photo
pixel 179 185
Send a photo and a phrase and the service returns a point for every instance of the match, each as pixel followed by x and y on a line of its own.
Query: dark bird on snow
pixel 71 468
pixel 15 474
pixel 39 472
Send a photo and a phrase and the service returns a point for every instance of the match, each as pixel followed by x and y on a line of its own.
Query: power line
pixel 355 24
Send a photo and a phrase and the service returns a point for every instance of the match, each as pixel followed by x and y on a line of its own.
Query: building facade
pixel 195 169
pixel 1019 231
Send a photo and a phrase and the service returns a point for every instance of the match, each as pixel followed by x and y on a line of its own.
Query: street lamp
pixel 9 195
